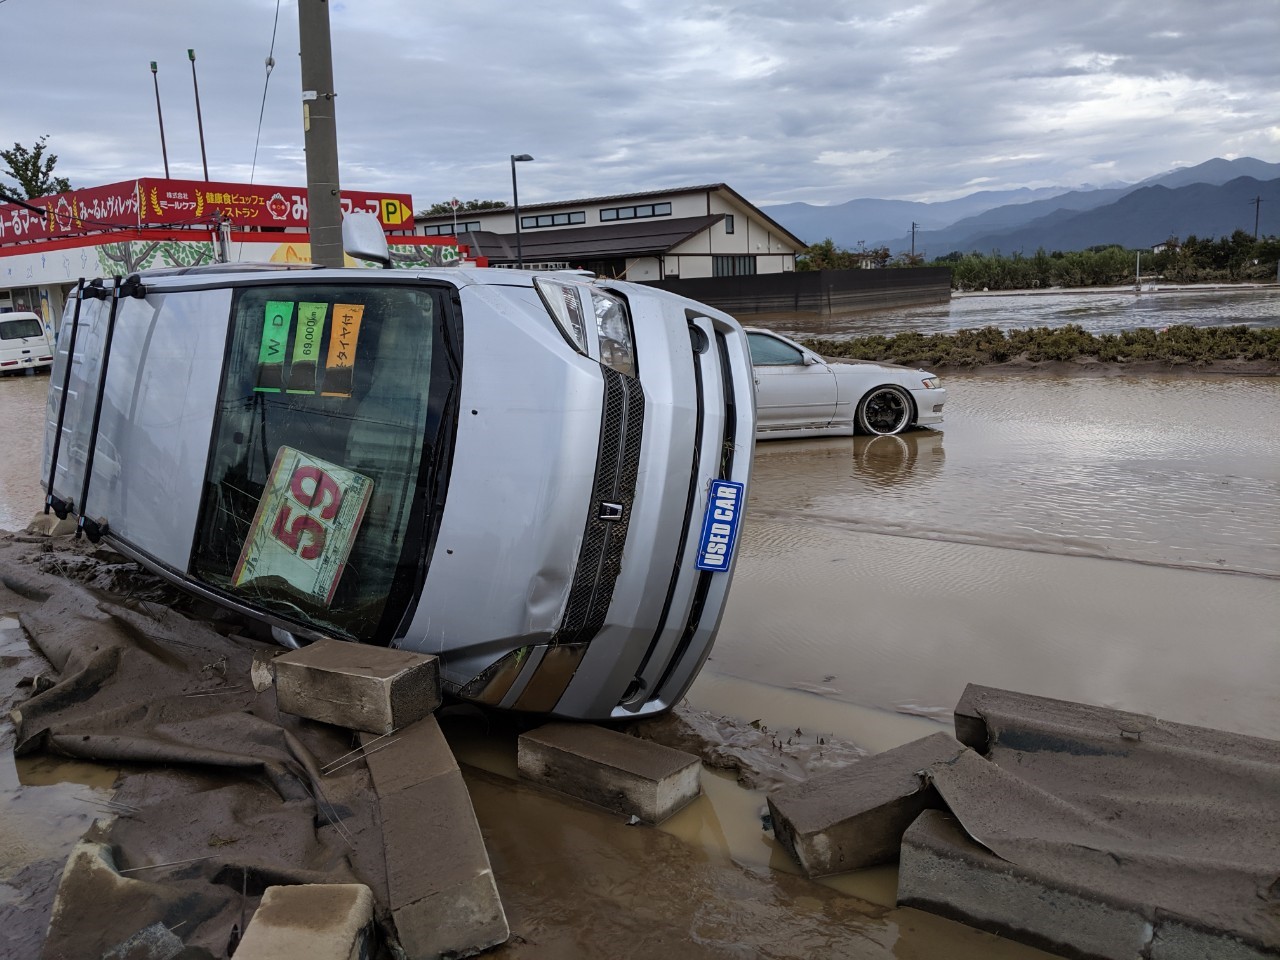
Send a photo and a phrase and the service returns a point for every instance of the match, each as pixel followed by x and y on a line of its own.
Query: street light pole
pixel 515 197
pixel 164 151
pixel 191 55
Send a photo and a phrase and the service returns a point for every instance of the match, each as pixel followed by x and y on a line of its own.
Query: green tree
pixel 445 207
pixel 33 169
pixel 825 255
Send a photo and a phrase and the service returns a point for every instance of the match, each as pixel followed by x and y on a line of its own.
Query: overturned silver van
pixel 537 477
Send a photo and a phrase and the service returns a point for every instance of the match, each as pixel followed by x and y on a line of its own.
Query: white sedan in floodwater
pixel 801 394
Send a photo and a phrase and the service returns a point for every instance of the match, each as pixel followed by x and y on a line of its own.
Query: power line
pixel 271 62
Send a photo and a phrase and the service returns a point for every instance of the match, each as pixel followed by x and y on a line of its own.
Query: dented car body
pixel 536 477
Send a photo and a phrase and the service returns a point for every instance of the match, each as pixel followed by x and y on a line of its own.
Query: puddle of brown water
pixel 23 401
pixel 900 623
pixel 577 882
pixel 48 804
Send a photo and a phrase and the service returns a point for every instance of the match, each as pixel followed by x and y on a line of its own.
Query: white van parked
pixel 536 477
pixel 24 343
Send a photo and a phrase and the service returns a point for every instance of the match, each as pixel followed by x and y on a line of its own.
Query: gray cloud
pixel 816 101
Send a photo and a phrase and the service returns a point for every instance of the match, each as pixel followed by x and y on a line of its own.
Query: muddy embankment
pixel 1070 349
pixel 1093 367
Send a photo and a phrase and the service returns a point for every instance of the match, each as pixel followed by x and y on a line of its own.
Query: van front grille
pixel 617 464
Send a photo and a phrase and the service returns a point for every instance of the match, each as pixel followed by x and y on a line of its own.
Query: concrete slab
pixel 943 871
pixel 48 525
pixel 91 885
pixel 1127 809
pixel 986 717
pixel 854 817
pixel 310 921
pixel 373 689
pixel 443 897
pixel 610 769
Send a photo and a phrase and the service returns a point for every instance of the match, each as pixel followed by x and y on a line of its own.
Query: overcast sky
pixel 814 100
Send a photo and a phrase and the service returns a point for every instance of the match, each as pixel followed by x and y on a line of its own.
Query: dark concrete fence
pixel 818 291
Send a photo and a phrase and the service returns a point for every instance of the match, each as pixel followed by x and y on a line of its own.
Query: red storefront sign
pixel 175 203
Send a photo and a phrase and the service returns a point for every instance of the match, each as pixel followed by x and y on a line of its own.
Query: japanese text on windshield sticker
pixel 276 321
pixel 304 364
pixel 340 363
pixel 305 525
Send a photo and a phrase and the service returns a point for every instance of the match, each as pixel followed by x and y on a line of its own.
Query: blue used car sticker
pixel 720 525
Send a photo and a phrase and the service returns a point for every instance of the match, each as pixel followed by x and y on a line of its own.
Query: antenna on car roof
pixel 363 238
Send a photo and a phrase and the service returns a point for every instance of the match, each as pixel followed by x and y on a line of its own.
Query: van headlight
pixel 567 304
pixel 616 347
pixel 564 302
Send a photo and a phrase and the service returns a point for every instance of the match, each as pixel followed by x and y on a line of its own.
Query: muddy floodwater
pixel 1096 311
pixel 1115 541
pixel 1111 540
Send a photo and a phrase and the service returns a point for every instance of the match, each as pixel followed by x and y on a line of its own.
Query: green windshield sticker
pixel 276 321
pixel 306 348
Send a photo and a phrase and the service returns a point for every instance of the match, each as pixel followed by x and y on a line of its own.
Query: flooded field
pixel 1115 541
pixel 1106 312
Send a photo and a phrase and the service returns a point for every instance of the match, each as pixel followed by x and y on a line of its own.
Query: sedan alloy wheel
pixel 886 410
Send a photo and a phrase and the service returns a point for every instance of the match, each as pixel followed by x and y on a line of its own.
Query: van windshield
pixel 330 453
pixel 17 329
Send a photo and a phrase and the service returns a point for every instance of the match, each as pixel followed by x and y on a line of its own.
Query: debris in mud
pixel 95 566
pixel 224 796
pixel 1086 830
pixel 760 757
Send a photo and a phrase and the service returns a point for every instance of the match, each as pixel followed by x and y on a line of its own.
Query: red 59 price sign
pixel 304 527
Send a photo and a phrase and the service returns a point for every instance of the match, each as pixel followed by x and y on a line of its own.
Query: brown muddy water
pixel 1114 541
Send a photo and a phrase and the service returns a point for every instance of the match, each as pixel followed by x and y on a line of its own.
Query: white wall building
pixel 684 232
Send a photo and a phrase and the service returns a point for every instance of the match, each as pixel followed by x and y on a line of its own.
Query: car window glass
pixel 16 329
pixel 328 396
pixel 767 351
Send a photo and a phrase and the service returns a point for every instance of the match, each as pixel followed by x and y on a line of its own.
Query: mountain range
pixel 1210 199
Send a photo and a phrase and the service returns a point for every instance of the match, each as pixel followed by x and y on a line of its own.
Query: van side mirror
pixel 363 237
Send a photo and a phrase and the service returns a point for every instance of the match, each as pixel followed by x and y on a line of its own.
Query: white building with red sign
pixel 49 244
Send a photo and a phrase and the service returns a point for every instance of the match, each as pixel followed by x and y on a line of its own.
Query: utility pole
pixel 320 134
pixel 164 151
pixel 913 240
pixel 191 55
pixel 1257 209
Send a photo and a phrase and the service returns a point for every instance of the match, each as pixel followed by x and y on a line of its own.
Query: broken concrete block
pixel 610 769
pixel 1176 940
pixel 48 525
pixel 91 885
pixel 1174 822
pixel 854 817
pixel 944 872
pixel 373 689
pixel 443 896
pixel 310 921
pixel 988 718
